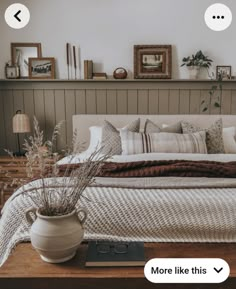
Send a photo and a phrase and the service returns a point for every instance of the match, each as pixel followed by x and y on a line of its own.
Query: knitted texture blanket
pixel 152 210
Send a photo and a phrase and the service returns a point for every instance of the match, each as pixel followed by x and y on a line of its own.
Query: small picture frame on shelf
pixel 42 68
pixel 223 72
pixel 152 61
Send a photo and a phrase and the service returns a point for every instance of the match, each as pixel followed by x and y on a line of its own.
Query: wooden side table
pixel 10 169
pixel 25 269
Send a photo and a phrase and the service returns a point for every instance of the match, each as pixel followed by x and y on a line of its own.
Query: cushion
pixel 95 138
pixel 229 140
pixel 151 127
pixel 214 137
pixel 138 143
pixel 111 142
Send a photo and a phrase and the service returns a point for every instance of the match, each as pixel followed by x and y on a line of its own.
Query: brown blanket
pixel 170 168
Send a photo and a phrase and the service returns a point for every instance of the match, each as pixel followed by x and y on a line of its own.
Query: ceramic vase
pixel 194 72
pixel 56 238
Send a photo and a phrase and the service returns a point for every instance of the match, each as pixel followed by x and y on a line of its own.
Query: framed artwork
pixel 152 61
pixel 42 68
pixel 20 54
pixel 223 71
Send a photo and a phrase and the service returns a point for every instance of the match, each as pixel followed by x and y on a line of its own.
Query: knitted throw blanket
pixel 149 210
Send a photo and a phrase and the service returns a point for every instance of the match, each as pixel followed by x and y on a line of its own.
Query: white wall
pixel 106 31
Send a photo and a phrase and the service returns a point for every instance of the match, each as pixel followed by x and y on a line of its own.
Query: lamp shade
pixel 21 123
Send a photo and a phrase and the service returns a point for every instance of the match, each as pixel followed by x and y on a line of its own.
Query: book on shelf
pixel 99 75
pixel 117 254
pixel 88 69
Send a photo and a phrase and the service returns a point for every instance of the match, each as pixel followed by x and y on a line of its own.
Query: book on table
pixel 120 254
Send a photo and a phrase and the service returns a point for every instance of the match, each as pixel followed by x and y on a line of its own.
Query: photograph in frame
pixel 152 61
pixel 223 72
pixel 42 68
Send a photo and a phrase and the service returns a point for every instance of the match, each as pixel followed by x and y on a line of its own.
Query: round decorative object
pixel 120 73
pixel 56 238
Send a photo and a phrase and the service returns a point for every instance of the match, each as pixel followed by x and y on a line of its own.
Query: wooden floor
pixel 25 270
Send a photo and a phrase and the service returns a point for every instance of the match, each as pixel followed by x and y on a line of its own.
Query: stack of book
pixel 88 69
pixel 99 75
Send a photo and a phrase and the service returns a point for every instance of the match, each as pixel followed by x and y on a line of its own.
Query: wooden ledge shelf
pixel 116 80
pixel 113 84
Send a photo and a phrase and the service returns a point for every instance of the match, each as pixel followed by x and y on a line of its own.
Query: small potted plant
pixel 195 63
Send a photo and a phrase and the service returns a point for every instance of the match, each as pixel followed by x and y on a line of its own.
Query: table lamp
pixel 20 124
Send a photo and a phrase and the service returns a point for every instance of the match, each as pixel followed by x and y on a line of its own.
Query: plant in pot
pixel 56 218
pixel 195 63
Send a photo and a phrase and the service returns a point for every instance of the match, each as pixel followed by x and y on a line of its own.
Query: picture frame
pixel 224 71
pixel 20 54
pixel 42 68
pixel 152 61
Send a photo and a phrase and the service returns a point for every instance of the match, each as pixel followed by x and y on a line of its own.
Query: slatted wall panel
pixel 53 103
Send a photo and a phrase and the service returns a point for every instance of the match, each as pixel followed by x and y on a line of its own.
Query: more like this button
pixel 186 270
pixel 17 16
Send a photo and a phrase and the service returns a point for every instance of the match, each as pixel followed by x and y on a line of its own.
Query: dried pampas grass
pixel 55 194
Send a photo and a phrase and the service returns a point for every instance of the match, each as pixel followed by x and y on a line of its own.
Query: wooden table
pixel 10 169
pixel 25 270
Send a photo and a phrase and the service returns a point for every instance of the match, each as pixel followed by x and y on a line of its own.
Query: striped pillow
pixel 138 143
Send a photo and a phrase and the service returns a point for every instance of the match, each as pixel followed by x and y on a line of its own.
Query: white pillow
pixel 229 140
pixel 95 138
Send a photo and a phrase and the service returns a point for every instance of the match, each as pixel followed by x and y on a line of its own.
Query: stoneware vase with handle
pixel 56 238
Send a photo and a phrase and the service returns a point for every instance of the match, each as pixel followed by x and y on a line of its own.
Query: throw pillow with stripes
pixel 138 143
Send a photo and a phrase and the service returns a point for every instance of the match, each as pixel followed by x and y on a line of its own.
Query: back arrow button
pixel 16 16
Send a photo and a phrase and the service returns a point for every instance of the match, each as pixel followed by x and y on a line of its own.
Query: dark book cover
pixel 106 254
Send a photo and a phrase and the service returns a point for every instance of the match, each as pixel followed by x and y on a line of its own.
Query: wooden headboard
pixel 82 122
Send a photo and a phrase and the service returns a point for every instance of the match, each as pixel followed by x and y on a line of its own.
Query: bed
pixel 145 208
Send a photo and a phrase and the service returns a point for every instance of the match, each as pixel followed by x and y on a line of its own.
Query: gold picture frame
pixel 152 61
